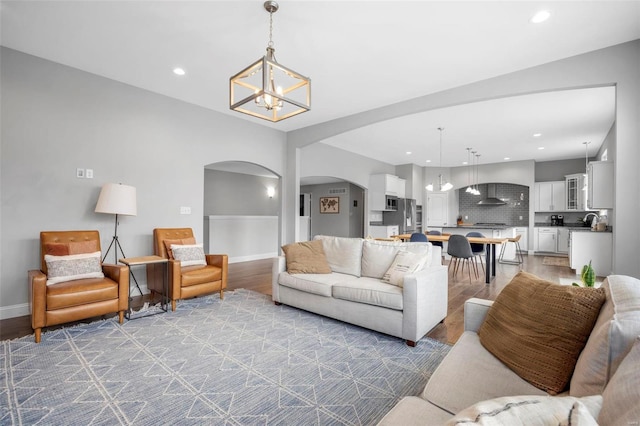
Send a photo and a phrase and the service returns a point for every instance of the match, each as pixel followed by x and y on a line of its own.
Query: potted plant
pixel 587 276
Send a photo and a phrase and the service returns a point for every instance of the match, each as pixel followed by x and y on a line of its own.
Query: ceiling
pixel 360 55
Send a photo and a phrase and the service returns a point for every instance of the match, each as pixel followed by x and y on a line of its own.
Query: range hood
pixel 491 199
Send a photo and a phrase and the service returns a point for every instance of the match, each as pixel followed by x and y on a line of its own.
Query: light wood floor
pixel 256 275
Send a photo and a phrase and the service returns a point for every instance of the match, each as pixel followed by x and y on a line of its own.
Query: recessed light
pixel 540 17
pixel 507 158
pixel 408 152
pixel 537 135
pixel 465 163
pixel 428 161
pixel 541 148
pixel 179 71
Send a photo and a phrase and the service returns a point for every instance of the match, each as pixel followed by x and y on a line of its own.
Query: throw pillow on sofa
pixel 621 397
pixel 404 263
pixel 531 409
pixel 612 337
pixel 306 258
pixel 538 328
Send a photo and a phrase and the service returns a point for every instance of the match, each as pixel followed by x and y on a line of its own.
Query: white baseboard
pixel 238 259
pixel 13 311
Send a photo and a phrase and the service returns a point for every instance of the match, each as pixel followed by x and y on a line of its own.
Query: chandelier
pixel 267 89
pixel 442 184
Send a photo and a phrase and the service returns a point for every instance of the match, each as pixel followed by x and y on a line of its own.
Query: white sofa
pixel 470 374
pixel 353 292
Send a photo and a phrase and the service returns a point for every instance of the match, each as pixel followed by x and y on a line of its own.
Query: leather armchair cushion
pixel 80 292
pixel 193 275
pixel 74 247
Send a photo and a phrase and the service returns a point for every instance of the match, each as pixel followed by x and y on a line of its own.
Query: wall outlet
pixel 185 210
pixel 519 217
pixel 466 217
pixel 89 174
pixel 80 173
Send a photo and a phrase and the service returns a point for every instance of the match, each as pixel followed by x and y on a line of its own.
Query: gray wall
pixel 56 119
pixel 616 65
pixel 227 193
pixel 348 222
pixel 548 171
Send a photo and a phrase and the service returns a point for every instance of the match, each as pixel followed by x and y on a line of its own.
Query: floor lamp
pixel 117 199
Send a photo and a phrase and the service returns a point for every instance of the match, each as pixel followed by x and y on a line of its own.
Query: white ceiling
pixel 359 54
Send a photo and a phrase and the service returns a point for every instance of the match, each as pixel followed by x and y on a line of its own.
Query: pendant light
pixel 476 191
pixel 586 165
pixel 469 189
pixel 267 89
pixel 442 185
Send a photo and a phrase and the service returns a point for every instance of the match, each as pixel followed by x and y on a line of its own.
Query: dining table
pixel 490 242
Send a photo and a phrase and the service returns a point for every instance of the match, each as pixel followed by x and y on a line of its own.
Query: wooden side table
pixel 164 296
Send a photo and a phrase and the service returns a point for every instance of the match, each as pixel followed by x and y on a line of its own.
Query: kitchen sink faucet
pixel 595 216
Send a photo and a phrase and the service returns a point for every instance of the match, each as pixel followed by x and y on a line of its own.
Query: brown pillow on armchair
pixel 538 328
pixel 178 241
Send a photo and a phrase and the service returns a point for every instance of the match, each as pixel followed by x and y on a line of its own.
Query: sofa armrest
pixel 425 300
pixel 119 274
pixel 279 265
pixel 38 296
pixel 475 311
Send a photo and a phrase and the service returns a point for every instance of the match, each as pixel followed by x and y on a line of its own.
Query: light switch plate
pixel 89 174
pixel 185 210
pixel 80 173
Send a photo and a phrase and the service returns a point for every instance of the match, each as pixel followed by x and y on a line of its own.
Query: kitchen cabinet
pixel 376 231
pixel 549 196
pixel 563 240
pixel 438 209
pixel 600 185
pixel 381 185
pixel 575 192
pixel 591 246
pixel 546 240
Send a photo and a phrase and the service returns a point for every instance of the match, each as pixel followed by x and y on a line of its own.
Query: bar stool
pixel 519 258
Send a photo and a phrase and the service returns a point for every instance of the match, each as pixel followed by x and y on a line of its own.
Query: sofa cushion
pixel 343 254
pixel 377 256
pixel 414 411
pixel 307 257
pixel 481 377
pixel 621 397
pixel 613 335
pixel 314 283
pixel 370 291
pixel 404 263
pixel 531 410
pixel 538 328
pixel 73 267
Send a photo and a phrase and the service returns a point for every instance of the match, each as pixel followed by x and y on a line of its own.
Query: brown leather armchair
pixel 80 298
pixel 186 281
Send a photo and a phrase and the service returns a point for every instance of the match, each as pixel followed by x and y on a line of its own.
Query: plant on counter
pixel 459 220
pixel 587 276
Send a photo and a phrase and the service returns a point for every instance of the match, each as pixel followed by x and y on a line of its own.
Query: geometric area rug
pixel 237 361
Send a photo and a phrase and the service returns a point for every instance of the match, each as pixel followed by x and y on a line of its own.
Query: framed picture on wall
pixel 329 204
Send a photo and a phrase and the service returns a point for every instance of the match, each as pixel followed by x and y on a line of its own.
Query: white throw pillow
pixel 404 263
pixel 531 410
pixel 73 267
pixel 621 397
pixel 189 254
pixel 377 256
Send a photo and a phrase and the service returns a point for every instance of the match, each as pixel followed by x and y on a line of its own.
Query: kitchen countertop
pixel 573 227
pixel 474 226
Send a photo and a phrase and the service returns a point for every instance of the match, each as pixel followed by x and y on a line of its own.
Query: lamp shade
pixel 116 198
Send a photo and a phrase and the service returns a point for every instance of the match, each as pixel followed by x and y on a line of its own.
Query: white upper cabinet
pixel 380 186
pixel 549 196
pixel 600 185
pixel 575 192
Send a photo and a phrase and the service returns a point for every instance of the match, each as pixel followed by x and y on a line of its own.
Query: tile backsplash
pixel 515 212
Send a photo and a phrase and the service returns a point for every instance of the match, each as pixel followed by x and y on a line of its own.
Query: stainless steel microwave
pixel 392 203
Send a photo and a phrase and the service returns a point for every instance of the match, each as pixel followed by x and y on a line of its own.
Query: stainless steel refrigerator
pixel 404 217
